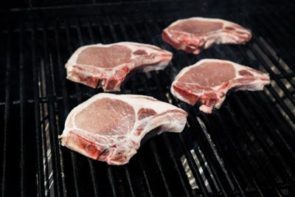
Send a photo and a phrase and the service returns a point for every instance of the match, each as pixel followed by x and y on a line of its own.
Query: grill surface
pixel 244 149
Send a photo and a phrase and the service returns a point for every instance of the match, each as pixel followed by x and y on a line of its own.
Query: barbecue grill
pixel 247 148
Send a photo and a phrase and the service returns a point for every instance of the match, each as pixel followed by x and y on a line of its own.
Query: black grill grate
pixel 244 149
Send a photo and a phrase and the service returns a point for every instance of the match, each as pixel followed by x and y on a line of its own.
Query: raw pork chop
pixel 209 80
pixel 106 66
pixel 110 127
pixel 194 34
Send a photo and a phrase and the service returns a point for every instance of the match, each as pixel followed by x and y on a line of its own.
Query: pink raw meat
pixel 107 65
pixel 209 80
pixel 110 127
pixel 197 33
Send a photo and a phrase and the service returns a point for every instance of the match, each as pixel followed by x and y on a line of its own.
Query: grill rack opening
pixel 244 149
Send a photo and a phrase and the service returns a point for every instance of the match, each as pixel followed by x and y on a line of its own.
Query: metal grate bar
pixel 281 122
pixel 275 114
pixel 261 56
pixel 217 154
pixel 284 169
pixel 72 155
pixel 111 180
pixel 243 158
pixel 224 155
pixel 64 95
pixel 90 163
pixel 193 165
pixel 277 97
pixel 270 127
pixel 146 179
pixel 52 120
pixel 240 157
pixel 265 169
pixel 129 181
pixel 6 113
pixel 40 176
pixel 21 98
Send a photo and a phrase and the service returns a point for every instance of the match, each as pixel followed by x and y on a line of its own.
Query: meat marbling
pixel 107 65
pixel 110 127
pixel 197 33
pixel 209 80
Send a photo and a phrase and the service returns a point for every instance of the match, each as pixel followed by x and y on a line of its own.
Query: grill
pixel 244 149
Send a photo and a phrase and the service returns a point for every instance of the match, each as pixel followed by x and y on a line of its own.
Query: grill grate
pixel 244 149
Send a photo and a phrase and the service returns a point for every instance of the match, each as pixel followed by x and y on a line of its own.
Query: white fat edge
pixel 129 99
pixel 146 103
pixel 256 85
pixel 160 120
pixel 167 32
pixel 160 66
pixel 239 67
pixel 177 95
pixel 226 38
pixel 242 28
pixel 155 121
pixel 137 45
pixel 224 22
pixel 150 49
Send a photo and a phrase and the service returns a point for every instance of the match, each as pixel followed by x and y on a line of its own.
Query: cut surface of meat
pixel 197 33
pixel 209 80
pixel 107 65
pixel 110 127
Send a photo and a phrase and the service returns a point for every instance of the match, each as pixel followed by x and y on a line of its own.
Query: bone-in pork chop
pixel 110 127
pixel 208 81
pixel 197 33
pixel 107 65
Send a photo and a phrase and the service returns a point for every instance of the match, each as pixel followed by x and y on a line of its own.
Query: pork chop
pixel 197 33
pixel 209 80
pixel 107 65
pixel 110 127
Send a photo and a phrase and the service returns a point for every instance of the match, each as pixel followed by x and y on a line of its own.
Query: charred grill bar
pixel 247 148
